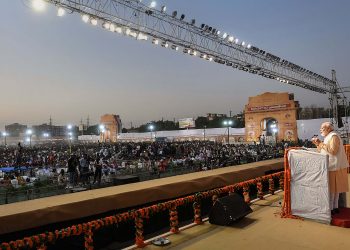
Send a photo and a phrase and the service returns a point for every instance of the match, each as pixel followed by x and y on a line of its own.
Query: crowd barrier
pixel 41 241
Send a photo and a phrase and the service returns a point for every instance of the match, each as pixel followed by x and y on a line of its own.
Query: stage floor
pixel 34 213
pixel 262 229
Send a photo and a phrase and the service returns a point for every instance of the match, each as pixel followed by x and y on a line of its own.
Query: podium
pixel 309 190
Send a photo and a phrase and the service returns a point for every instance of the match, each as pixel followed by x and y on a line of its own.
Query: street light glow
pixel 227 123
pixel 69 126
pixel 4 134
pixel 38 5
pixel 151 127
pixel 29 132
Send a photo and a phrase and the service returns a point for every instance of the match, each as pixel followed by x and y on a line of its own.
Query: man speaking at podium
pixel 338 163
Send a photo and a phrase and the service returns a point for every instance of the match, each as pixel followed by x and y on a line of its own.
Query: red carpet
pixel 342 219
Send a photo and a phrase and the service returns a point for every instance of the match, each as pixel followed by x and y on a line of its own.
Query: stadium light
pixel 106 25
pixel 93 21
pixel 38 5
pixel 155 41
pixel 174 47
pixel 61 12
pixel 85 18
pixel 165 44
pixel 112 27
pixel 153 4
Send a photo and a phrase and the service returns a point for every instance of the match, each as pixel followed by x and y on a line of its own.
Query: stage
pixel 34 213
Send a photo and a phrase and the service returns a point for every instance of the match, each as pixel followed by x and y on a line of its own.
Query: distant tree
pixel 159 126
pixel 92 130
pixel 201 121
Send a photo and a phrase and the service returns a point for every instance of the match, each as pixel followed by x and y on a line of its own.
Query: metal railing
pixel 87 229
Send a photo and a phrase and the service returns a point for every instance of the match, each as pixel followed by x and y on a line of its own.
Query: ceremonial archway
pixel 271 117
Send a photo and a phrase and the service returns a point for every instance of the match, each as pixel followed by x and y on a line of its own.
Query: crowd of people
pixel 81 164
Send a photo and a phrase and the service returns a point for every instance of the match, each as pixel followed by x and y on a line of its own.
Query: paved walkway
pixel 262 229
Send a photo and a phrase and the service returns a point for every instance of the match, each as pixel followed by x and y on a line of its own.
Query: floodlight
pixel 112 27
pixel 155 41
pixel 165 44
pixel 61 12
pixel 85 18
pixel 106 25
pixel 153 4
pixel 93 21
pixel 38 5
pixel 174 47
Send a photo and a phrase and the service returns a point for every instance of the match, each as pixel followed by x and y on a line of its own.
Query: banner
pixel 270 107
pixel 186 123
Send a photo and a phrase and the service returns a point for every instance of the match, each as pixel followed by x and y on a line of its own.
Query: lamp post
pixel 29 132
pixel 204 132
pixel 5 134
pixel 102 130
pixel 70 137
pixel 228 124
pixel 151 128
pixel 274 131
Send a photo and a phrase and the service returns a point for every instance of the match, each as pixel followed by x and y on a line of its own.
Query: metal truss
pixel 139 21
pixel 173 31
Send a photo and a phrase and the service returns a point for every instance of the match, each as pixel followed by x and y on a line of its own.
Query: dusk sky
pixel 63 67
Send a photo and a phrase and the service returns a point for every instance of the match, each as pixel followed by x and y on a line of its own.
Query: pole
pixel 228 134
pixel 204 132
pixel 5 141
pixel 70 146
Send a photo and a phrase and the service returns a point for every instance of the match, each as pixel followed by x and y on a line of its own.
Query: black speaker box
pixel 228 209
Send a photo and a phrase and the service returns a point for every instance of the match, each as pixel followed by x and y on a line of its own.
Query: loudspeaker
pixel 228 209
